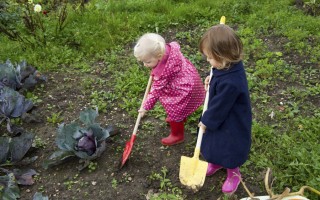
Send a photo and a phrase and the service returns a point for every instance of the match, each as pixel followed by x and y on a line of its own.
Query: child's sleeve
pixel 154 94
pixel 158 86
pixel 220 105
pixel 151 100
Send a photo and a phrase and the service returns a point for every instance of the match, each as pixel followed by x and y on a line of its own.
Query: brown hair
pixel 223 44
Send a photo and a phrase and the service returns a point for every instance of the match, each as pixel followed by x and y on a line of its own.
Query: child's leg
pixel 232 182
pixel 177 133
pixel 212 168
pixel 168 120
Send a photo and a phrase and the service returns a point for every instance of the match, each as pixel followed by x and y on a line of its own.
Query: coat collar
pixel 233 68
pixel 171 62
pixel 157 71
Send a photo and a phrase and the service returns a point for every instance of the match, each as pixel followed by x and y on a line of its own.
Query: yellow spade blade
pixel 192 172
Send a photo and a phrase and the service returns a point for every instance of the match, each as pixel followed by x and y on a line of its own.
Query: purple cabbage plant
pixel 12 105
pixel 13 81
pixel 74 140
pixel 20 77
pixel 9 181
pixel 12 152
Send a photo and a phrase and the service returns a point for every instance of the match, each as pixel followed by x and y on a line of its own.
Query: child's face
pixel 150 61
pixel 211 60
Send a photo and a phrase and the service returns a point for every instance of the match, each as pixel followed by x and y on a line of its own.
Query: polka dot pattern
pixel 179 87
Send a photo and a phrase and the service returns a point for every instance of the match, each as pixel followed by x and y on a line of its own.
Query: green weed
pixel 38 143
pixel 34 98
pixel 55 118
pixel 92 166
pixel 114 183
pixel 168 191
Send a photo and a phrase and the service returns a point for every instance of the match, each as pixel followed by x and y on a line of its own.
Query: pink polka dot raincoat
pixel 176 84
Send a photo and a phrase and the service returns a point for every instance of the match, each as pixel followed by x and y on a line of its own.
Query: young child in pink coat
pixel 176 83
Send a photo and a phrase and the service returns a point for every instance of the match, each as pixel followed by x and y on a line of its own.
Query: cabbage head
pixel 86 142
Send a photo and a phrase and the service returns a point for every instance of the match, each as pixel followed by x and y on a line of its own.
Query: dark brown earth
pixel 63 93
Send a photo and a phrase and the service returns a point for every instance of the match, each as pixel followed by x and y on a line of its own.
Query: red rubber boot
pixel 177 134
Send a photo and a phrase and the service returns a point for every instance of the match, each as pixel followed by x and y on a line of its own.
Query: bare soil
pixel 64 93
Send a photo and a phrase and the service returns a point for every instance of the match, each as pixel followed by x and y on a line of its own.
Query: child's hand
pixel 201 125
pixel 142 112
pixel 206 83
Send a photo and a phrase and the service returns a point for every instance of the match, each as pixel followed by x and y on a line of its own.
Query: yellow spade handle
pixel 144 98
pixel 201 131
pixel 223 20
pixel 205 106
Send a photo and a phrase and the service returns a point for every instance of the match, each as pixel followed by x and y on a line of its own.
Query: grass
pixel 282 46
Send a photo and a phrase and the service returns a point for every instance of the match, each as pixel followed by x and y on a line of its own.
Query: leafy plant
pixel 102 100
pixel 12 103
pixel 12 78
pixel 92 166
pixel 164 181
pixel 86 143
pixel 13 150
pixel 114 183
pixel 55 118
pixel 34 15
pixel 167 190
pixel 313 7
pixel 38 142
pixel 9 181
pixel 39 196
pixel 20 76
pixel 34 98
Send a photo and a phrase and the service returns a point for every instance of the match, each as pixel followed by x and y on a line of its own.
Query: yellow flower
pixel 30 1
pixel 37 8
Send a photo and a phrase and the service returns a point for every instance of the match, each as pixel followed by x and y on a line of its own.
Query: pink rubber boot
pixel 212 168
pixel 232 182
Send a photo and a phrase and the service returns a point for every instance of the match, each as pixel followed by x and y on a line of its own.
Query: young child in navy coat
pixel 227 121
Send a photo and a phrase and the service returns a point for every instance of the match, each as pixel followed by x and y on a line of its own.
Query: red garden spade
pixel 129 144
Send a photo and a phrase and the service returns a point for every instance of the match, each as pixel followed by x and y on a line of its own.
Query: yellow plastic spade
pixel 192 170
pixel 223 20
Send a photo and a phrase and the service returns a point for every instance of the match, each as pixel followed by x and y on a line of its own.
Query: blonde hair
pixel 223 44
pixel 150 44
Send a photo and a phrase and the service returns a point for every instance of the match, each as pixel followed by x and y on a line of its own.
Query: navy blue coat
pixel 228 119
